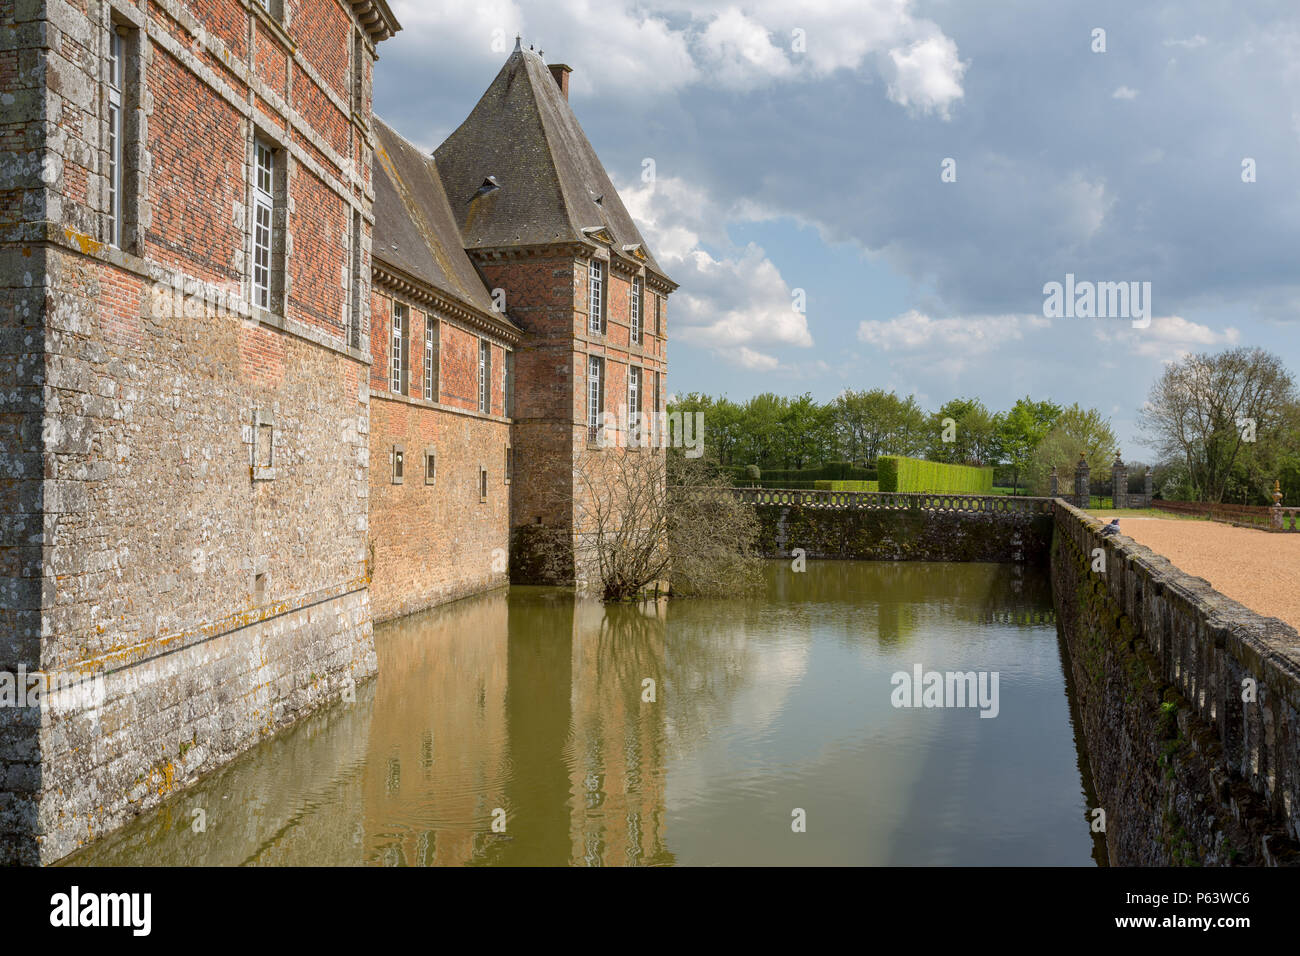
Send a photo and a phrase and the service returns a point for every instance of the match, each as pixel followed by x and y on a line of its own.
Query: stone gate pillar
pixel 1055 489
pixel 1118 483
pixel 1148 492
pixel 1081 478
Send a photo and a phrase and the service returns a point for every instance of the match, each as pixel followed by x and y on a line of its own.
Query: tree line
pixel 1223 427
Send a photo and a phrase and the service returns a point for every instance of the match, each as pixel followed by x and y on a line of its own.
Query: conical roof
pixel 546 182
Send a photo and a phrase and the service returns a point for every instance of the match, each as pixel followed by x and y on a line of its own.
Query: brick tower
pixel 559 252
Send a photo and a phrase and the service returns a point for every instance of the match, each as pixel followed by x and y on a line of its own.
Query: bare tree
pixel 642 517
pixel 1204 409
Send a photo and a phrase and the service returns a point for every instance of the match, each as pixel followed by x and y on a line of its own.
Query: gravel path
pixel 1259 569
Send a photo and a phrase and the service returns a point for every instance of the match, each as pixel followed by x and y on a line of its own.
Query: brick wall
pixel 213 595
pixel 435 542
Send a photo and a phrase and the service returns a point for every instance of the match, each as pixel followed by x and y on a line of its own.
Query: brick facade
pixel 187 532
pixel 199 419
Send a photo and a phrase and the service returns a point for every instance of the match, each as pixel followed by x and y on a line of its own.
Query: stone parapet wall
pixel 902 527
pixel 1190 705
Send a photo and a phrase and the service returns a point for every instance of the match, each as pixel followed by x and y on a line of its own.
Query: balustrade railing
pixel 897 501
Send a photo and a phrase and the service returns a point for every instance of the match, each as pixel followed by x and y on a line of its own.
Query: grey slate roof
pixel 524 133
pixel 414 227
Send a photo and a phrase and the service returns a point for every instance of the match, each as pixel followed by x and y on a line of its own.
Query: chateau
pixel 269 374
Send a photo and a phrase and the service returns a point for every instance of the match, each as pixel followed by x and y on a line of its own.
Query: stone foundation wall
pixel 903 527
pixel 1190 705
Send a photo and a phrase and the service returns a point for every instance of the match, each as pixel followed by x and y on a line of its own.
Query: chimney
pixel 561 73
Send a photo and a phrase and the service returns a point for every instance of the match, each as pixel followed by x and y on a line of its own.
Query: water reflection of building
pixel 618 767
pixel 531 704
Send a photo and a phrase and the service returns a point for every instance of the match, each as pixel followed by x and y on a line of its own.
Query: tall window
pixel 596 282
pixel 595 396
pixel 484 376
pixel 116 149
pixel 636 311
pixel 656 328
pixel 430 358
pixel 508 383
pixel 634 405
pixel 263 223
pixel 655 437
pixel 397 366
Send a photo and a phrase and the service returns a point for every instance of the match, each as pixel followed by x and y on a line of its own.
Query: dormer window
pixel 489 185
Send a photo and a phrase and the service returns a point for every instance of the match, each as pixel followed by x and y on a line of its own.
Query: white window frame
pixel 263 222
pixel 596 298
pixel 484 380
pixel 116 129
pixel 430 355
pixel 595 395
pixel 635 310
pixel 633 405
pixel 397 349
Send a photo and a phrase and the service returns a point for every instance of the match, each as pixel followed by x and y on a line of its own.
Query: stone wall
pixel 903 527
pixel 185 512
pixel 1190 705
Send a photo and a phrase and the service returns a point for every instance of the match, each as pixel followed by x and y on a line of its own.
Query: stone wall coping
pixel 1266 647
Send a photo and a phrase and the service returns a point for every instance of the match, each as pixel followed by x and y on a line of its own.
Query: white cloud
pixel 914 331
pixel 928 75
pixel 1124 93
pixel 730 298
pixel 1168 338
pixel 622 49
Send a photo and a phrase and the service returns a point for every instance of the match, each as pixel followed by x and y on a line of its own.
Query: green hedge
pixel 848 485
pixel 913 474
pixel 832 471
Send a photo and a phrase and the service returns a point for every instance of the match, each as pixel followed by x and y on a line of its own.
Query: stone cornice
pixel 563 249
pixel 394 280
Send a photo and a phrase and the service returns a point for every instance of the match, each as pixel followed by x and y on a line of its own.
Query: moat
pixel 533 703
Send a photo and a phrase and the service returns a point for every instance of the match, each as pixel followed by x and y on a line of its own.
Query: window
pixel 116 148
pixel 430 358
pixel 636 311
pixel 658 329
pixel 508 383
pixel 482 483
pixel 634 406
pixel 398 364
pixel 595 396
pixel 655 436
pixel 274 7
pixel 354 282
pixel 484 377
pixel 399 463
pixel 596 282
pixel 510 463
pixel 263 223
pixel 430 466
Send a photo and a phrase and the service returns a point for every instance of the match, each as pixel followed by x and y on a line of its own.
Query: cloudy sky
pixel 800 153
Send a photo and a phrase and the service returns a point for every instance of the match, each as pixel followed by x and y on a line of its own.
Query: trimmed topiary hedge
pixel 913 474
pixel 847 485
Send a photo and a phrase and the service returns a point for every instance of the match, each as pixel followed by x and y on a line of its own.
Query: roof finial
pixel 518 42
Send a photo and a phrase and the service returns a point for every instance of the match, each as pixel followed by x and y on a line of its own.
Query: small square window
pixel 399 463
pixel 430 466
pixel 510 463
pixel 263 445
pixel 482 483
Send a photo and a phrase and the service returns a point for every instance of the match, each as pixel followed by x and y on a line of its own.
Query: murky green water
pixel 528 708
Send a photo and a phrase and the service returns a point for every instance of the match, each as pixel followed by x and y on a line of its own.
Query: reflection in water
pixel 534 707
